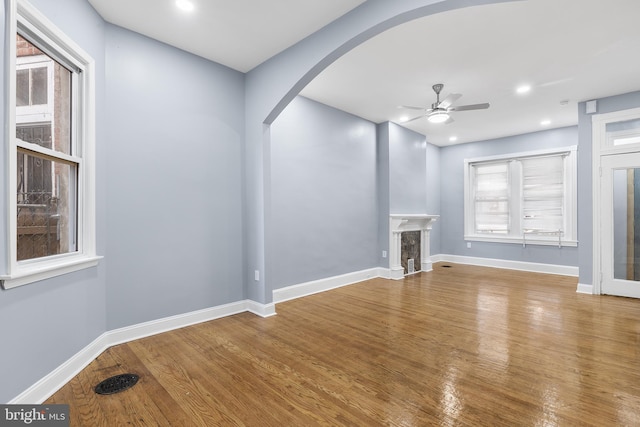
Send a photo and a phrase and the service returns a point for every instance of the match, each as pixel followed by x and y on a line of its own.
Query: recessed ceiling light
pixel 185 5
pixel 403 119
pixel 453 138
pixel 545 122
pixel 523 89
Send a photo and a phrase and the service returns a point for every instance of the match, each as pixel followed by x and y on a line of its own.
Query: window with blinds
pixel 525 195
pixel 543 194
pixel 491 202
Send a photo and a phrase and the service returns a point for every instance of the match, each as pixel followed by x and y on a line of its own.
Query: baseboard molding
pixel 44 388
pixel 52 382
pixel 584 289
pixel 321 285
pixel 563 270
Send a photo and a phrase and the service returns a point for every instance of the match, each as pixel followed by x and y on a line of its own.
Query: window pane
pixel 46 207
pixel 492 198
pixel 22 88
pixel 38 75
pixel 39 86
pixel 35 134
pixel 492 217
pixel 624 133
pixel 543 193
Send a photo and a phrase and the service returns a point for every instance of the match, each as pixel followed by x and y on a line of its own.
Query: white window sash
pixel 56 44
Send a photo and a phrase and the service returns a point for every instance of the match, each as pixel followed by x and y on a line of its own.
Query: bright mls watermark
pixel 34 415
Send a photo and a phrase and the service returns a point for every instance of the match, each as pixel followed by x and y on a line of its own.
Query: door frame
pixel 602 146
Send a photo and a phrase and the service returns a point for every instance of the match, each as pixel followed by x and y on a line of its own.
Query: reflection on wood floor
pixel 456 346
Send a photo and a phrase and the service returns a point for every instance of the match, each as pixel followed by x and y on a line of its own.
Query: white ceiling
pixel 567 50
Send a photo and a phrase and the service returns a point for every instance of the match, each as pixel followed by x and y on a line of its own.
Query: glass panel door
pixel 621 225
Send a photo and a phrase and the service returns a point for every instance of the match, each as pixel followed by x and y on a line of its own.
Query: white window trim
pixel 23 272
pixel 570 235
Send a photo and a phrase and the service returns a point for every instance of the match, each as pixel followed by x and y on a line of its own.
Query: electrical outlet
pixel 468 245
pixel 256 275
pixel 384 254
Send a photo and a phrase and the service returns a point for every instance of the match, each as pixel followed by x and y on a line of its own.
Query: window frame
pixel 27 20
pixel 515 234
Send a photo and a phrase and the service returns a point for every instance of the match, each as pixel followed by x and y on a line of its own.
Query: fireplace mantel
pixel 399 223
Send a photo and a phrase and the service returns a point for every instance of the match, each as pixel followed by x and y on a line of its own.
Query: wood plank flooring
pixel 458 346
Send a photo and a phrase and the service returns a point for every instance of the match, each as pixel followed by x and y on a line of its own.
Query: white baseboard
pixel 52 382
pixel 321 285
pixel 584 289
pixel 43 389
pixel 563 270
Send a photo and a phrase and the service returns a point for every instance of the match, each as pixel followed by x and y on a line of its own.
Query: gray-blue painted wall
pixel 434 195
pixel 175 127
pixel 452 198
pixel 323 214
pixel 382 164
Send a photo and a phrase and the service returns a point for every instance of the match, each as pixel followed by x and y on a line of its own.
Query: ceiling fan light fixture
pixel 185 5
pixel 438 117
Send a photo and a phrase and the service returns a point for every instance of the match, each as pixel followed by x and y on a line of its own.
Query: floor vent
pixel 445 266
pixel 117 384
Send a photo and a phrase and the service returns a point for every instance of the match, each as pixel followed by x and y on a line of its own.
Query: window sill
pixel 45 270
pixel 530 240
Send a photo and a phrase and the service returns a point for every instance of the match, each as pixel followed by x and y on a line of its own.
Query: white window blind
pixel 491 198
pixel 543 193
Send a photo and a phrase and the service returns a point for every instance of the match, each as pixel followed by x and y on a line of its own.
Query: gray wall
pixel 43 324
pixel 323 213
pixel 407 171
pixel 434 195
pixel 585 176
pixel 452 198
pixel 175 131
pixel 382 164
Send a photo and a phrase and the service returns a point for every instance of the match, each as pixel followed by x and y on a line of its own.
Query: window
pixel 527 198
pixel 51 165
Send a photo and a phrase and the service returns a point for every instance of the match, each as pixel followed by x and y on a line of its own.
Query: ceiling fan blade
pixel 449 120
pixel 449 100
pixel 470 107
pixel 415 118
pixel 410 107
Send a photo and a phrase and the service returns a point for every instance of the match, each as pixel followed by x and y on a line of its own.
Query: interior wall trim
pixel 563 270
pixel 322 285
pixel 52 382
pixel 584 289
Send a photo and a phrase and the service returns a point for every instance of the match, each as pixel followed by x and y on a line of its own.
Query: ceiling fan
pixel 439 111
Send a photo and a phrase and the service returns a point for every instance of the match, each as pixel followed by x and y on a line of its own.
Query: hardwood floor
pixel 457 346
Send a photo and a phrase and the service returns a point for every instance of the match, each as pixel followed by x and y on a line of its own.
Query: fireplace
pixel 403 223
